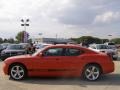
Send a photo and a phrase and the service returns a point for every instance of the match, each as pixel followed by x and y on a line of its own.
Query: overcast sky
pixel 66 18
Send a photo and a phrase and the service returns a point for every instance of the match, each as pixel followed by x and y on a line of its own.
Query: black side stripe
pixel 50 70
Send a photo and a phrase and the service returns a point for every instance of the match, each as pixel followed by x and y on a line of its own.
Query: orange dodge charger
pixel 59 61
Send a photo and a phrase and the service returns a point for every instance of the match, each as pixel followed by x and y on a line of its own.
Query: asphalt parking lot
pixel 107 82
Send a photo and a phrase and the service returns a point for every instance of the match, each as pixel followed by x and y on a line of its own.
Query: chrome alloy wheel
pixel 92 72
pixel 17 72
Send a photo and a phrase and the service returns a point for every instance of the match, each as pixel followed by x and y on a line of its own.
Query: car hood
pixel 18 59
pixel 21 56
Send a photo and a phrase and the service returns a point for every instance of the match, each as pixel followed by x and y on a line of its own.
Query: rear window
pixel 73 52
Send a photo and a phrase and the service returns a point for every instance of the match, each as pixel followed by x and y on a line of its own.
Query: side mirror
pixel 40 54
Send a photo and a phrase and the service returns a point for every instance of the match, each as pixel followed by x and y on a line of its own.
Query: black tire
pixel 17 72
pixel 90 74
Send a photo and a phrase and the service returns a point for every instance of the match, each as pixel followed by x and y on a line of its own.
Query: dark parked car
pixel 1 48
pixel 12 50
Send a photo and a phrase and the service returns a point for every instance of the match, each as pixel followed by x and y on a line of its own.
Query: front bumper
pixel 5 69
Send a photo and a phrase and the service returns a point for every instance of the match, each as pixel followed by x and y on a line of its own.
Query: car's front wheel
pixel 92 72
pixel 17 72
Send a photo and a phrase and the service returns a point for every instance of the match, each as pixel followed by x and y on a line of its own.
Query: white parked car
pixel 105 49
pixel 111 45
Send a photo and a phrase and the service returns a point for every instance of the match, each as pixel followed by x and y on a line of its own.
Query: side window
pixel 73 52
pixel 54 52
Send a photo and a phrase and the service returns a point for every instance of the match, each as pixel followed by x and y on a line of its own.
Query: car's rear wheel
pixel 17 72
pixel 92 72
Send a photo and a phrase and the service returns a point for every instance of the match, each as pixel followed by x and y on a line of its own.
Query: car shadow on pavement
pixel 110 79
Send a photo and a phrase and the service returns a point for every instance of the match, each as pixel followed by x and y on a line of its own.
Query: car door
pixel 72 62
pixel 50 63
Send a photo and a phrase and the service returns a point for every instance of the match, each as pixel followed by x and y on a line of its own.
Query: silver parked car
pixel 105 49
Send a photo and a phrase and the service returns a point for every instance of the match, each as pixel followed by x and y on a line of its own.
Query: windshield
pixel 15 47
pixel 5 44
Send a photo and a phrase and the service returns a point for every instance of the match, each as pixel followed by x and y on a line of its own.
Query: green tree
pixel 11 40
pixel 88 39
pixel 20 36
pixel 104 40
pixel 116 40
pixel 5 40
